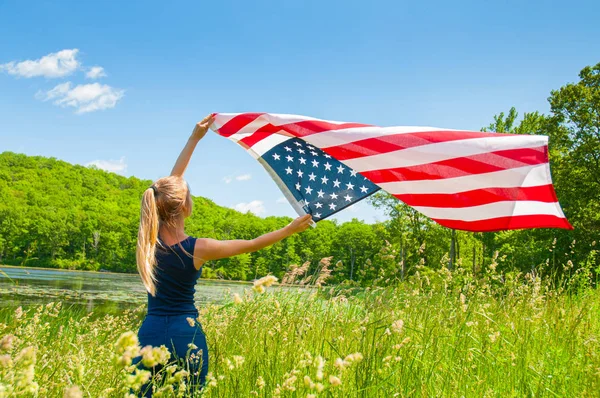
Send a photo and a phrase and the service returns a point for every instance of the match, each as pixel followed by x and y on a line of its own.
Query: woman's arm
pixel 212 249
pixel 184 157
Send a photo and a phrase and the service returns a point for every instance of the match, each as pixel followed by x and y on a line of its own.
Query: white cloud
pixel 256 206
pixel 57 64
pixel 95 72
pixel 243 177
pixel 116 166
pixel 281 200
pixel 83 97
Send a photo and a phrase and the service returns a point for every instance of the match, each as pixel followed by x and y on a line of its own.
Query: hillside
pixel 55 214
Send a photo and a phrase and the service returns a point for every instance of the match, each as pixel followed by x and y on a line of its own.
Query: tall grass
pixel 437 334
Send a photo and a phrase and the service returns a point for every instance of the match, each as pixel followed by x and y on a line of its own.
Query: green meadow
pixel 437 334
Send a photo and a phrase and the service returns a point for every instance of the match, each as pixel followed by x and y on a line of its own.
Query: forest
pixel 55 214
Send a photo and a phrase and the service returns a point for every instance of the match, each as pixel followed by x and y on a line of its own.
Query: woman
pixel 170 262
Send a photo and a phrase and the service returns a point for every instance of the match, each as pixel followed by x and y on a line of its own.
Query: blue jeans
pixel 176 333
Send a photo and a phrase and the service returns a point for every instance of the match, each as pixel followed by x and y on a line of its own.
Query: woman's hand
pixel 300 224
pixel 202 127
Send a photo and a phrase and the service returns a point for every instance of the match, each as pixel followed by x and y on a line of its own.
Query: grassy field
pixel 434 335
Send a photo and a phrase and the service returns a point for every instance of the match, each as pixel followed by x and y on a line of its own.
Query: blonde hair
pixel 163 204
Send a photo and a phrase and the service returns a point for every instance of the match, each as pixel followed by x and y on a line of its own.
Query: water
pixel 103 292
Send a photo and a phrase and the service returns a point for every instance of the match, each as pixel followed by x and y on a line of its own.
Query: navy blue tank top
pixel 176 279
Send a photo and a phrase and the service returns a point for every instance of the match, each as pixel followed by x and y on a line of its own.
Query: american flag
pixel 466 180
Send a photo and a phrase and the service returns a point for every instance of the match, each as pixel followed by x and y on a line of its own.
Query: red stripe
pixel 260 134
pixel 298 129
pixel 238 122
pixel 477 197
pixel 464 166
pixel 389 143
pixel 309 127
pixel 503 223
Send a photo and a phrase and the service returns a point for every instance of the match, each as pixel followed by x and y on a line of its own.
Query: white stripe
pixel 440 151
pixel 527 176
pixel 493 210
pixel 267 143
pixel 345 136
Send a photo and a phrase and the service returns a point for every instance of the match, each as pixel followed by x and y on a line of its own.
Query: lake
pixel 101 292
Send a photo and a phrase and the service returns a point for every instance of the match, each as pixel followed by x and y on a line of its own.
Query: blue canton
pixel 321 185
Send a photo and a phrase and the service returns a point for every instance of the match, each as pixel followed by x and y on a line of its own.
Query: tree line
pixel 59 215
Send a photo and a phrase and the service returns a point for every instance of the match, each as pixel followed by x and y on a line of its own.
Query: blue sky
pixel 168 64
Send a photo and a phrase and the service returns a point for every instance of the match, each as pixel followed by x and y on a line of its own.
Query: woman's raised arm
pixel 184 157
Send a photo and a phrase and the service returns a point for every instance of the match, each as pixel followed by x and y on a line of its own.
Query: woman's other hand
pixel 300 224
pixel 202 127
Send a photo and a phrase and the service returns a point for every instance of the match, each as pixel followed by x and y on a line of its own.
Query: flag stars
pixel 318 205
pixel 308 190
pixel 300 150
pixel 298 187
pixel 353 173
pixel 300 173
pixel 327 166
pixel 302 160
pixel 340 170
pixel 364 189
pixel 324 180
pixel 320 193
pixel 350 186
pixel 317 215
pixel 287 148
pixel 312 176
pixel 314 153
pixel 333 196
pixel 327 156
pixel 297 143
pixel 289 158
pixel 348 198
pixel 289 170
pixel 315 163
pixel 332 206
pixel 336 183
pixel 276 156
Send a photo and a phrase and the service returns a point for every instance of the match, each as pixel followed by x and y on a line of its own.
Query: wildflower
pixel 398 325
pixel 494 336
pixel 259 289
pixel 340 363
pixel 73 392
pixel 138 379
pixel 260 383
pixel 239 360
pixel 192 346
pixel 127 347
pixel 181 375
pixel 308 382
pixel 319 387
pixel 320 365
pixel 191 321
pixel 334 381
pixel 152 356
pixel 5 361
pixel 237 299
pixel 356 357
pixel 6 343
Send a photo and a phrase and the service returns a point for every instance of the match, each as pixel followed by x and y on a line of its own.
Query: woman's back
pixel 176 279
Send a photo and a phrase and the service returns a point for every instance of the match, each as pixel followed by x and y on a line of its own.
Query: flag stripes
pixel 462 179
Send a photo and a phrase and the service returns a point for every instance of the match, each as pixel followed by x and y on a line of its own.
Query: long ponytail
pixel 145 253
